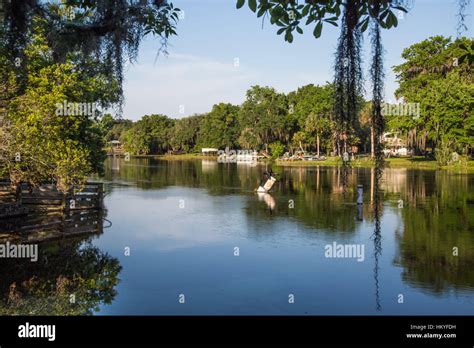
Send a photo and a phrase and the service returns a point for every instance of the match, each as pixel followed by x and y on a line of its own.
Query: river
pixel 193 237
pixel 199 240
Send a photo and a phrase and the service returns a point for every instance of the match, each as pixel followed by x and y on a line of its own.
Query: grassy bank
pixel 363 162
pixel 185 156
pixel 413 162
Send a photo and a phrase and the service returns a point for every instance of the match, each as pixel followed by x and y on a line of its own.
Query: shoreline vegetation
pixel 407 163
pixel 415 162
pixel 51 132
pixel 427 128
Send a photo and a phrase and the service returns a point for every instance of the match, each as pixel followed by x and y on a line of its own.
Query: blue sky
pixel 200 71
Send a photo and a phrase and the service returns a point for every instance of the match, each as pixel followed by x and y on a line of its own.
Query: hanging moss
pixel 348 72
pixel 378 124
pixel 462 15
pixel 107 31
pixel 348 80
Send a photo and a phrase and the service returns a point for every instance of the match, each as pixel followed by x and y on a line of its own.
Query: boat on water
pixel 267 186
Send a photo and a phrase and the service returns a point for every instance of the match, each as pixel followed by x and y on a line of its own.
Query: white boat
pixel 268 185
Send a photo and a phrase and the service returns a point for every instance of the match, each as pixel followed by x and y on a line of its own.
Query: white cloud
pixel 181 79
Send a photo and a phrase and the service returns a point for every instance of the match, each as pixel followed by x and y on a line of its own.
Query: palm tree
pixel 365 118
pixel 316 125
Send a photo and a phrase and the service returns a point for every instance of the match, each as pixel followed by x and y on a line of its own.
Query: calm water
pixel 176 227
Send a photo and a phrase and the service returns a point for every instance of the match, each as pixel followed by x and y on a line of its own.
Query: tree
pixel 434 76
pixel 289 15
pixel 70 51
pixel 365 120
pixel 264 117
pixel 299 138
pixel 118 129
pixel 137 139
pixel 106 123
pixel 220 127
pixel 44 141
pixel 313 110
pixel 316 125
pixel 248 138
pixel 104 32
pixel 185 133
pixel 276 149
pixel 354 16
pixel 150 135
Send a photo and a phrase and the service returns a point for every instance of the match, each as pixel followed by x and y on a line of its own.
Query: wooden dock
pixel 48 198
pixel 35 228
pixel 43 213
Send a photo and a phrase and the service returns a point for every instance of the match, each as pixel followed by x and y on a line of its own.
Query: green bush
pixel 276 149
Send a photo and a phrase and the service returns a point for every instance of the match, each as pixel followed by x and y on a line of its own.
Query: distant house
pixel 209 151
pixel 116 147
pixel 392 140
pixel 394 146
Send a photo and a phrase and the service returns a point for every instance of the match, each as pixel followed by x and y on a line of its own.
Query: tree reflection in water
pixel 377 236
pixel 436 248
pixel 437 213
pixel 71 277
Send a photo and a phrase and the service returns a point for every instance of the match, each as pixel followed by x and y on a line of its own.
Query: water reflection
pixel 71 276
pixel 437 213
pixel 423 221
pixel 268 199
pixel 376 180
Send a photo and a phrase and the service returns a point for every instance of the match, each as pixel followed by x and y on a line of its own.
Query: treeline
pixel 39 144
pixel 266 121
pixel 436 75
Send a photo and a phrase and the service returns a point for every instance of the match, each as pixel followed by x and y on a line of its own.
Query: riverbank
pixel 184 156
pixel 417 162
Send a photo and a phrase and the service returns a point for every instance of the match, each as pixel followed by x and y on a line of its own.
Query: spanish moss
pixel 107 31
pixel 378 124
pixel 377 238
pixel 348 80
pixel 462 15
pixel 348 72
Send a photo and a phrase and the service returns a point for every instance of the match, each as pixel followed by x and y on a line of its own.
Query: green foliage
pixel 300 140
pixel 434 75
pixel 118 129
pixel 276 149
pixel 150 135
pixel 220 127
pixel 442 155
pixel 104 33
pixel 291 16
pixel 311 99
pixel 38 143
pixel 313 112
pixel 45 287
pixel 185 133
pixel 301 119
pixel 106 123
pixel 263 118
